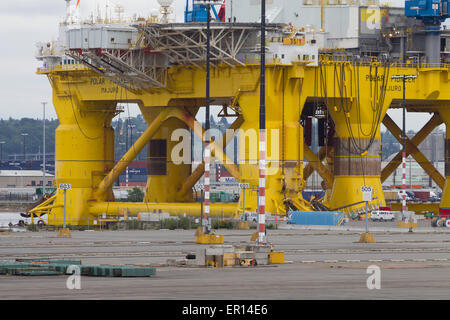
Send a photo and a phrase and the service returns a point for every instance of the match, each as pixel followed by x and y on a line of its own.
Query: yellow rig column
pixel 284 165
pixel 357 163
pixel 84 151
pixel 357 104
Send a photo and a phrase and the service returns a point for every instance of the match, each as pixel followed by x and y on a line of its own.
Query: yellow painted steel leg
pixel 354 167
pixel 284 151
pixel 84 153
pixel 357 106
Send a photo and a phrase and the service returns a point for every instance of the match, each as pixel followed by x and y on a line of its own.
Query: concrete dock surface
pixel 320 264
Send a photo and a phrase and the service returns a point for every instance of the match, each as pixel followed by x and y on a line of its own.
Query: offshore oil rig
pixel 335 60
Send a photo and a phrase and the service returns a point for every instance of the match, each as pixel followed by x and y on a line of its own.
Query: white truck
pixel 382 215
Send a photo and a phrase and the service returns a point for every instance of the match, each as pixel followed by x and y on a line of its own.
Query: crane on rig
pixel 197 12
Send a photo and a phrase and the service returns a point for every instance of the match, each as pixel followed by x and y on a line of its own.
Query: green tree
pixel 135 195
pixel 389 144
pixel 11 131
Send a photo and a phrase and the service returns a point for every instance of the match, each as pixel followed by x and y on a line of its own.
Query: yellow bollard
pixel 366 238
pixel 410 225
pixel 64 233
pixel 199 231
pixel 243 225
pixel 209 238
pixel 276 257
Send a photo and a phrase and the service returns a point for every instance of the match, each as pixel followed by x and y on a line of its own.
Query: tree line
pixel 28 132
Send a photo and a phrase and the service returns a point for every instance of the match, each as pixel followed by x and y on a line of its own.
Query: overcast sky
pixel 22 24
pixel 25 22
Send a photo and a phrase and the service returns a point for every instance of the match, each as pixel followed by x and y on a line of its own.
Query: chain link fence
pixel 109 224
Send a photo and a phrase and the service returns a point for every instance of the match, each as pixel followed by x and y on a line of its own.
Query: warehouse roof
pixel 23 173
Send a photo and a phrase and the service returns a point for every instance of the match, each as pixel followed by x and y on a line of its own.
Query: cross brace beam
pixel 411 149
pixel 317 165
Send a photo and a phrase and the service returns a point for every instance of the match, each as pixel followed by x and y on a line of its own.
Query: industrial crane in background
pixel 433 13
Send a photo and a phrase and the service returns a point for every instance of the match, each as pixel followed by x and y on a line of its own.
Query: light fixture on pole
pixel 24 154
pixel 129 126
pixel 404 78
pixel 207 158
pixel 43 150
pixel 122 144
pixel 1 152
pixel 68 13
pixel 140 155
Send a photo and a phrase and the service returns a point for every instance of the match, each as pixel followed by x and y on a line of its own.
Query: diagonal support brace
pixel 199 171
pixel 411 149
pixel 317 165
pixel 309 169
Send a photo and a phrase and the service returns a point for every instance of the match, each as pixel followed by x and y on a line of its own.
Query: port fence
pixel 17 197
pixel 118 223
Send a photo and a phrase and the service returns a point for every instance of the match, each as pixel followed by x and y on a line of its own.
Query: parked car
pixel 250 216
pixel 381 215
pixel 434 199
pixel 400 196
pixel 412 196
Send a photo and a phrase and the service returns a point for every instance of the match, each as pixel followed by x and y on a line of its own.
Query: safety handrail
pixel 62 67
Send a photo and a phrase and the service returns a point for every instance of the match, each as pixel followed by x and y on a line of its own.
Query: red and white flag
pixel 221 13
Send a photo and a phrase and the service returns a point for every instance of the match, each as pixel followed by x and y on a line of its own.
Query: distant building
pixel 433 147
pixel 31 157
pixel 27 165
pixel 24 178
pixel 415 175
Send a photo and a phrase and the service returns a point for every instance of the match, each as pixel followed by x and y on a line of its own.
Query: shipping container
pixel 422 195
pixel 322 218
pixel 390 195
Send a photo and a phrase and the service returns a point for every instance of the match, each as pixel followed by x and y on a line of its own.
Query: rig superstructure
pixel 331 61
